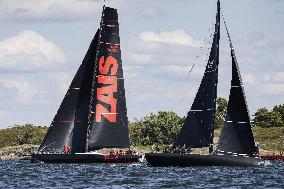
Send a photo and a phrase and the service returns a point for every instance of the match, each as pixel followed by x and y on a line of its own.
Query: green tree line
pixel 156 128
pixel 163 127
pixel 22 134
pixel 265 118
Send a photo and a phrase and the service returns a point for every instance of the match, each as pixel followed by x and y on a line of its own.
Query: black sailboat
pixel 236 146
pixel 93 113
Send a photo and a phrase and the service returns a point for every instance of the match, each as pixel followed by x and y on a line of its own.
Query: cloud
pixel 161 69
pixel 52 10
pixel 277 77
pixel 249 79
pixel 29 50
pixel 272 84
pixel 273 89
pixel 3 113
pixel 151 94
pixel 33 97
pixel 61 80
pixel 168 62
pixel 34 75
pixel 24 89
pixel 143 12
pixel 177 37
pixel 73 10
pixel 160 73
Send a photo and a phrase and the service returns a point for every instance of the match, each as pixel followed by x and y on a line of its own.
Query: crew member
pixel 66 149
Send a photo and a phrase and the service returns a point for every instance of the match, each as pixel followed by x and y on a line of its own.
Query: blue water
pixel 23 174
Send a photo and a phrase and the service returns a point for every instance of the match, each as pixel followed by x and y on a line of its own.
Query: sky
pixel 42 44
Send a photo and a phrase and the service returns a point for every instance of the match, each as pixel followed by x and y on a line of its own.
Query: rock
pixel 17 152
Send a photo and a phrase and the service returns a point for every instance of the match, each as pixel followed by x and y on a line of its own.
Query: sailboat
pixel 236 145
pixel 93 113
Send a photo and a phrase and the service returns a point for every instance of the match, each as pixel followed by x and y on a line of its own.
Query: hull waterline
pixel 186 160
pixel 84 158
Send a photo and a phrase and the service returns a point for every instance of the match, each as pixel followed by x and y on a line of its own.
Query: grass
pixel 271 139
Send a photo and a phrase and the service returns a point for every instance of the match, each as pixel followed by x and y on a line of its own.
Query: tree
pixel 280 110
pixel 221 109
pixel 22 134
pixel 265 118
pixel 27 134
pixel 160 128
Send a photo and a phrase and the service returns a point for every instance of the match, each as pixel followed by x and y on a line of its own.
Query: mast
pixel 198 129
pixel 108 122
pixel 236 134
pixel 63 129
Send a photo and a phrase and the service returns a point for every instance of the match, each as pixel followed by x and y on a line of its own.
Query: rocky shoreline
pixel 22 152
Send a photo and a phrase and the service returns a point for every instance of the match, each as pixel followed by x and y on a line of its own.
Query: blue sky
pixel 42 43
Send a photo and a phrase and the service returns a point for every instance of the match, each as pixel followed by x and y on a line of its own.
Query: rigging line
pixel 127 128
pixel 190 70
pixel 227 31
pixel 204 41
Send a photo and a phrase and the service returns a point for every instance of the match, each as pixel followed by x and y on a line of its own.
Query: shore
pixel 23 152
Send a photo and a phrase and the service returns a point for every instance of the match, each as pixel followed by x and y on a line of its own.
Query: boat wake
pixel 265 163
pixel 141 160
pixel 134 164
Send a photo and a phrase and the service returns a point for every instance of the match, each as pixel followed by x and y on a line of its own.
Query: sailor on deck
pixel 66 149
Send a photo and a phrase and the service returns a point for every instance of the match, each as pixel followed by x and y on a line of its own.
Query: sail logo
pixel 113 48
pixel 107 77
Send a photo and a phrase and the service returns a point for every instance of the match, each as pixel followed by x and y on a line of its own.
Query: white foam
pixel 265 163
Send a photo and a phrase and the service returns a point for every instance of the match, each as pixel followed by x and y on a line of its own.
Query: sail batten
pixel 197 131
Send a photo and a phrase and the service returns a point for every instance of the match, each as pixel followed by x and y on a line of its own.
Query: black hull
pixel 186 160
pixel 84 158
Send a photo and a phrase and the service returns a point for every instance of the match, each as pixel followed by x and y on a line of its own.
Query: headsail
pixel 236 135
pixel 108 114
pixel 82 107
pixel 198 128
pixel 60 133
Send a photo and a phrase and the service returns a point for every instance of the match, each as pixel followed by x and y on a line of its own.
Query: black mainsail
pixel 198 129
pixel 108 122
pixel 70 115
pixel 236 135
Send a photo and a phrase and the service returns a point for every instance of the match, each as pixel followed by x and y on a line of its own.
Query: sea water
pixel 23 174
